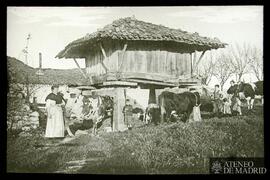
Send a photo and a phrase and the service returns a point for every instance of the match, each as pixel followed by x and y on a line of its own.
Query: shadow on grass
pixel 110 166
pixel 45 164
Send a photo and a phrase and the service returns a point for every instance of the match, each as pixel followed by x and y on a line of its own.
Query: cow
pixel 233 89
pixel 140 113
pixel 181 103
pixel 250 91
pixel 152 114
pixel 94 111
pixel 259 89
pixel 246 91
pixel 97 113
pixel 233 93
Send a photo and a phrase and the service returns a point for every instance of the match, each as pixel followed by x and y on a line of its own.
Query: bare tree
pixel 29 89
pixel 206 69
pixel 240 59
pixel 223 70
pixel 256 65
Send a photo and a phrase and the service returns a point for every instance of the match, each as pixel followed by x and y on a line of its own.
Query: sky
pixel 52 28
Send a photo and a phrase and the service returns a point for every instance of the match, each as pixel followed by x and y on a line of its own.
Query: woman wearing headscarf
pixel 55 122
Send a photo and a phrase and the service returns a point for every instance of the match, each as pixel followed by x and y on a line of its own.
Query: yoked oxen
pixel 173 107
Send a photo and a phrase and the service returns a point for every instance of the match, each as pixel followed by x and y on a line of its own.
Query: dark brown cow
pixel 182 104
pixel 259 88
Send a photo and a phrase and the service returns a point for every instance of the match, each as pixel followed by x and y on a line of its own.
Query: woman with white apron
pixel 55 122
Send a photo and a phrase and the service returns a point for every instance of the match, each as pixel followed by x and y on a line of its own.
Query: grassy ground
pixel 163 149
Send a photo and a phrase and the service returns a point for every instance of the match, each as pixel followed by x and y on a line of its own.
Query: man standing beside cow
pixel 233 91
pixel 217 101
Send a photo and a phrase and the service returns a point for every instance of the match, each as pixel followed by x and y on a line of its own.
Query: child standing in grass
pixel 227 107
pixel 128 115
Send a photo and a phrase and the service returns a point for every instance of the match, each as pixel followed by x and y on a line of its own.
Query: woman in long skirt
pixel 55 121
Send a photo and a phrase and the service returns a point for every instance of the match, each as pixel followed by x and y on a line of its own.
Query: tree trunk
pixel 258 76
pixel 204 81
pixel 240 76
pixel 27 90
pixel 221 85
pixel 27 94
pixel 207 82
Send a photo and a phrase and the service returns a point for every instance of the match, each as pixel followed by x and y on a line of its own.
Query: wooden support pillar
pixel 197 63
pixel 191 65
pixel 105 57
pixel 122 58
pixel 162 111
pixel 194 58
pixel 152 96
pixel 118 116
pixel 84 75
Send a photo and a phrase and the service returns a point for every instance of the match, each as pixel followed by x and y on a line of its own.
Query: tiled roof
pixel 131 29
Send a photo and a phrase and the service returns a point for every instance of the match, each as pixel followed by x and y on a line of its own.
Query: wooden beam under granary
pixel 133 53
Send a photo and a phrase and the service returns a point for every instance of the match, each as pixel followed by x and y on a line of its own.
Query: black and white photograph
pixel 135 89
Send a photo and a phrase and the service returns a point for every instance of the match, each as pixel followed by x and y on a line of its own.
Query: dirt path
pixel 75 165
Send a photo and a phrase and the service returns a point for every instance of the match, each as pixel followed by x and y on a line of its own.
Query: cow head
pixel 87 106
pixel 152 113
pixel 174 116
pixel 241 86
pixel 107 105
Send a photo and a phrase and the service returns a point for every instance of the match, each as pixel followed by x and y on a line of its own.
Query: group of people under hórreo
pixel 63 114
pixel 226 106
